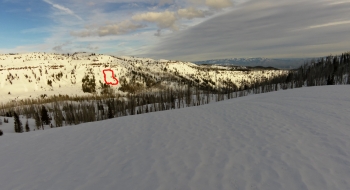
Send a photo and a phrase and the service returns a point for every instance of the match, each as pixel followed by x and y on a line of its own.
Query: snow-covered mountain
pixel 34 74
pixel 291 139
pixel 277 63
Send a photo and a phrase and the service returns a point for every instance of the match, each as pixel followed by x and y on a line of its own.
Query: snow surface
pixel 294 139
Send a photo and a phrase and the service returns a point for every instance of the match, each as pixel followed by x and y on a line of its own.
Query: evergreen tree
pixel 17 123
pixel 110 112
pixel 44 116
pixel 58 116
pixel 88 85
pixel 37 120
pixel 27 126
pixel 330 80
pixel 8 114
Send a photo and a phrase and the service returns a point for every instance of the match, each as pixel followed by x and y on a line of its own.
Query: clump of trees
pixel 41 119
pixel 57 115
pixel 330 70
pixel 105 89
pixel 89 85
pixel 49 82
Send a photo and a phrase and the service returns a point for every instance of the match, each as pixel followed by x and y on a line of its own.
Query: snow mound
pixel 293 139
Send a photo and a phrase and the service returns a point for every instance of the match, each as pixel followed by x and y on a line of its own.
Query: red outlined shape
pixel 110 76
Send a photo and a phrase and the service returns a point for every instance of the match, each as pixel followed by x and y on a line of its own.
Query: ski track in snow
pixel 293 139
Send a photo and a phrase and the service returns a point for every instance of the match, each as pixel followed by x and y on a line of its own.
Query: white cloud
pixel 113 21
pixel 219 4
pixel 129 19
pixel 84 33
pixel 164 19
pixel 117 29
pixel 110 29
pixel 63 9
pixel 191 12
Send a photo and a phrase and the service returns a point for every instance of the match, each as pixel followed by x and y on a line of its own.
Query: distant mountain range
pixel 287 63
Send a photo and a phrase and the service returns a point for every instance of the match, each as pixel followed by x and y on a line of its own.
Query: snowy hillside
pixel 34 74
pixel 292 139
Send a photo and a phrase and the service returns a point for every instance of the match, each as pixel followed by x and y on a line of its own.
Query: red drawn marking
pixel 109 78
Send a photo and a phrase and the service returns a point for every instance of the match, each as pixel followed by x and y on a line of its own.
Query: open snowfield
pixel 292 140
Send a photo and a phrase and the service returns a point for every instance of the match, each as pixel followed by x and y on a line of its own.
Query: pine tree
pixel 58 116
pixel 27 126
pixel 44 116
pixel 17 123
pixel 37 120
pixel 110 112
pixel 89 85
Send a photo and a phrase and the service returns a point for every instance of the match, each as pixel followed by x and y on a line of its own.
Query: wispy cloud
pixel 59 48
pixel 329 24
pixel 338 2
pixel 63 9
pixel 109 29
pixel 188 29
pixel 169 20
pixel 161 15
pixel 191 12
pixel 262 28
pixel 164 19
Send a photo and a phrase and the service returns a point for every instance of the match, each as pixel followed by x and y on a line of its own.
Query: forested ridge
pixel 330 70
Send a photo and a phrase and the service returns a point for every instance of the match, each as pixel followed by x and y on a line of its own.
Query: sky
pixel 186 30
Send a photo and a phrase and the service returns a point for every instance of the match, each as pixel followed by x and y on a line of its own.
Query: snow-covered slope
pixel 293 139
pixel 28 75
